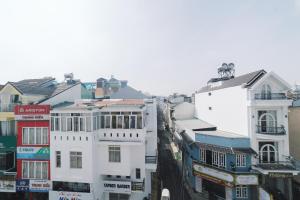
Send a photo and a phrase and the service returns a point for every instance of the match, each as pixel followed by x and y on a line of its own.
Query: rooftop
pixel 220 133
pixel 194 124
pixel 246 79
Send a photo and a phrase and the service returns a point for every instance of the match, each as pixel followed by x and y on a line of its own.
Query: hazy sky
pixel 159 46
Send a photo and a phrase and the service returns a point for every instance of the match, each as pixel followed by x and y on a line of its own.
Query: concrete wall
pixel 228 109
pixel 184 111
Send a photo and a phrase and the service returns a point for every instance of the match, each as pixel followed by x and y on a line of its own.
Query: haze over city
pixel 153 44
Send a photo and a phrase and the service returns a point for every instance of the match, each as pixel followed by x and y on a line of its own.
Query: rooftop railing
pixel 270 96
pixel 270 130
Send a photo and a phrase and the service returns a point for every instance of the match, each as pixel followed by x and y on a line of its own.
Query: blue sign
pixel 22 186
pixel 33 153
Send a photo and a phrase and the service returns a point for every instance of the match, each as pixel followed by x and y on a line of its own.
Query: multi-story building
pixel 103 149
pixel 33 153
pixel 254 105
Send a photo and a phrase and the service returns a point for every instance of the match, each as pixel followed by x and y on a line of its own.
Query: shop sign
pixel 34 153
pixel 22 186
pixel 246 180
pixel 117 187
pixel 212 172
pixel 39 185
pixel 70 195
pixel 7 186
pixel 32 112
pixel 280 175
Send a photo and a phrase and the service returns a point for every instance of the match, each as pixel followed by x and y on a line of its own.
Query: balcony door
pixel 267 122
pixel 266 92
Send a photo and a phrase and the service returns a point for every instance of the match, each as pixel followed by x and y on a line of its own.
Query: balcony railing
pixel 270 96
pixel 277 165
pixel 269 130
pixel 150 159
pixel 137 186
pixel 8 107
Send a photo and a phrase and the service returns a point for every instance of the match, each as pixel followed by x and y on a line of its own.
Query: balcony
pixel 138 186
pixel 10 107
pixel 271 96
pixel 269 130
pixel 122 135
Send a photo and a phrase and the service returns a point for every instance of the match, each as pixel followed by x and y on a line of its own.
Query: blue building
pixel 217 162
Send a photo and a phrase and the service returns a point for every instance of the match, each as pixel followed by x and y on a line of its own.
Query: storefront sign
pixel 70 196
pixel 117 187
pixel 213 172
pixel 280 175
pixel 35 153
pixel 39 185
pixel 32 112
pixel 7 186
pixel 22 186
pixel 246 180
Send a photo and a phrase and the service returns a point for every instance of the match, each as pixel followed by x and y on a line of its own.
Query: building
pixel 256 106
pixel 103 149
pixel 33 153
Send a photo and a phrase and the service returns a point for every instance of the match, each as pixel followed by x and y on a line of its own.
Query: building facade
pixel 33 153
pixel 255 105
pixel 103 149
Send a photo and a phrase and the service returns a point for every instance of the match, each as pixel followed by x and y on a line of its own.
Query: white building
pixel 105 150
pixel 255 105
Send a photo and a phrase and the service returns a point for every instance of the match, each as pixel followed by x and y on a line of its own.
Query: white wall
pixel 229 109
pixel 184 110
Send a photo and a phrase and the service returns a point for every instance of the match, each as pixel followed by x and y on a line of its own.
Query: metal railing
pixel 270 96
pixel 270 130
pixel 137 186
pixel 150 159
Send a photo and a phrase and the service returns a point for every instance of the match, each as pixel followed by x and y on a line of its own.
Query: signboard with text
pixel 246 180
pixel 39 185
pixel 7 186
pixel 32 112
pixel 70 195
pixel 213 173
pixel 122 187
pixel 22 185
pixel 35 153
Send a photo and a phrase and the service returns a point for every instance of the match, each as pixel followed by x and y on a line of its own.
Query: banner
pixel 39 185
pixel 33 153
pixel 32 112
pixel 7 186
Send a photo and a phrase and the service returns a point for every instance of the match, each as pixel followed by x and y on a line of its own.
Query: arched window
pixel 266 92
pixel 267 122
pixel 268 154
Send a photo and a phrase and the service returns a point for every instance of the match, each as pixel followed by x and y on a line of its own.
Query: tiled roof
pixel 35 86
pixel 247 79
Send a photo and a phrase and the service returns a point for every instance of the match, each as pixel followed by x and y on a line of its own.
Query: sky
pixel 159 46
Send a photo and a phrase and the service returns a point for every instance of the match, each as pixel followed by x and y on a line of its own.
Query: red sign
pixel 32 110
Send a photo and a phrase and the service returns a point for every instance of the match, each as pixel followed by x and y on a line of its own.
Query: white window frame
pixel 202 153
pixel 240 160
pixel 112 149
pixel 241 191
pixel 57 154
pixel 219 159
pixel 25 140
pixel 78 155
pixel 27 162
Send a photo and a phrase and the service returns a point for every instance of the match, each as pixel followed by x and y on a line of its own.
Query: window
pixel 58 159
pixel 138 173
pixel 7 128
pixel 35 135
pixel 63 123
pixel 82 124
pixel 126 122
pixel 34 169
pixel 268 152
pixel 120 122
pixel 107 121
pixel 114 121
pixel 76 124
pixel 71 187
pixel 139 122
pixel 132 121
pixel 56 124
pixel 88 124
pixel 266 92
pixel 241 191
pixel 202 153
pixel 102 121
pixel 219 159
pixel 75 160
pixel 69 124
pixel 7 160
pixel 267 121
pixel 241 160
pixel 114 153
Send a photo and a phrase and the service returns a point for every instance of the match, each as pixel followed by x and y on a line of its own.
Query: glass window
pixel 58 159
pixel 88 124
pixel 114 153
pixel 25 170
pixel 139 122
pixel 52 123
pixel 102 122
pixel 31 170
pixel 107 121
pixel 120 122
pixel 76 124
pixel 38 135
pixel 75 160
pixel 126 122
pixel 45 136
pixel 45 170
pixel 94 123
pixel 69 124
pixel 56 124
pixel 31 136
pixel 202 153
pixel 138 173
pixel 25 136
pixel 241 191
pixel 241 160
pixel 98 122
pixel 38 170
pixel 132 121
pixel 63 124
pixel 114 121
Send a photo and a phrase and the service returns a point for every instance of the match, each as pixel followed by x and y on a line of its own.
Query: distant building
pixel 256 106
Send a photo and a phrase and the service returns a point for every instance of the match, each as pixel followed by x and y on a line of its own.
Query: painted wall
pixel 294 131
pixel 228 109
